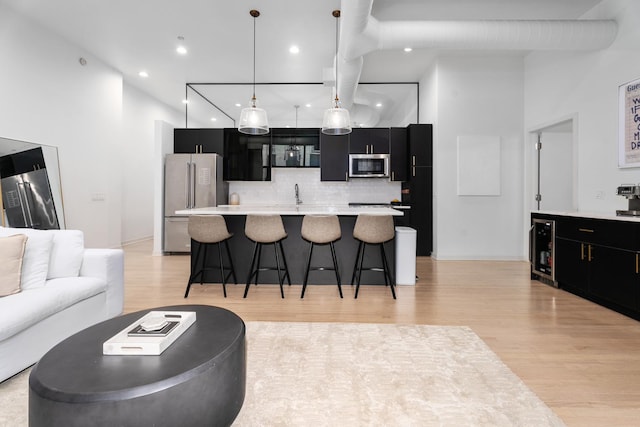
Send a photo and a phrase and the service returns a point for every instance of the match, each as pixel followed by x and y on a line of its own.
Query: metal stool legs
pixel 335 268
pixel 357 269
pixel 203 267
pixel 255 266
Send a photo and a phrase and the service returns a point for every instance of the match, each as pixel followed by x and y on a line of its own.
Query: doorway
pixel 553 158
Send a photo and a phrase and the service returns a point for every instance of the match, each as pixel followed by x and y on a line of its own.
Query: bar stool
pixel 321 230
pixel 373 230
pixel 207 230
pixel 266 229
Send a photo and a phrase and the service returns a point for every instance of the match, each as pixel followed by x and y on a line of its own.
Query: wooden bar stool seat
pixel 208 230
pixel 321 230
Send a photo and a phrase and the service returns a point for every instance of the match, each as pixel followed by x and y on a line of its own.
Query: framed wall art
pixel 629 125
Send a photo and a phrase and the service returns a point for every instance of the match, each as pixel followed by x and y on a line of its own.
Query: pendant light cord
pixel 337 15
pixel 254 61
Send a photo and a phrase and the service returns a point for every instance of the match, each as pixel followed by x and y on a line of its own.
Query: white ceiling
pixel 135 35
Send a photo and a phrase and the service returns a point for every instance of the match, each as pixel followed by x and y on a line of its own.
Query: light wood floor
pixel 581 359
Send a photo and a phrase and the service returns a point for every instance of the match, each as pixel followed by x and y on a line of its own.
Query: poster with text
pixel 629 126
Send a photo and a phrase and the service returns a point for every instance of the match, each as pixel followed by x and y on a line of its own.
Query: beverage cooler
pixel 542 237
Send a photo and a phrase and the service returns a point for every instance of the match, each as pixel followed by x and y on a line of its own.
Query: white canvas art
pixel 478 165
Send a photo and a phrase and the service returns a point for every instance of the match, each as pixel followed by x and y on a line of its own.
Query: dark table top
pixel 76 371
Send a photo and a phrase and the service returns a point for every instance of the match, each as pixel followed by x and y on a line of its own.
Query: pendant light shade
pixel 253 120
pixel 336 120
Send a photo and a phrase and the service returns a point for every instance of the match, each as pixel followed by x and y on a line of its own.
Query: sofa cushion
pixel 35 263
pixel 11 253
pixel 66 253
pixel 24 309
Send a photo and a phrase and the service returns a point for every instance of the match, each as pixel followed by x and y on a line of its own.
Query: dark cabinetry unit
pixel 399 154
pixel 246 157
pixel 334 157
pixel 542 236
pixel 22 162
pixel 369 141
pixel 298 147
pixel 417 191
pixel 599 259
pixel 198 141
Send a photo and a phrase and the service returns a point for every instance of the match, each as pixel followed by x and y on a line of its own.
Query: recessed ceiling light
pixel 238 105
pixel 379 104
pixel 307 105
pixel 213 119
pixel 185 101
pixel 408 49
pixel 181 50
pixel 143 74
pixel 294 49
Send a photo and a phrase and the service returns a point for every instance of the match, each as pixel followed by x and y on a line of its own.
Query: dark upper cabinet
pixel 334 157
pixel 399 154
pixel 198 141
pixel 295 147
pixel 420 144
pixel 24 161
pixel 246 157
pixel 369 141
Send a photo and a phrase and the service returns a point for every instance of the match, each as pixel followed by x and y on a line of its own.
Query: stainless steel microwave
pixel 368 165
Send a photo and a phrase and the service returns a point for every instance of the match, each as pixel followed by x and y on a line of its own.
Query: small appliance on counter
pixel 631 192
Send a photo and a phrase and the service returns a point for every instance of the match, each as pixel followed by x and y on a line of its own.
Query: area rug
pixel 328 374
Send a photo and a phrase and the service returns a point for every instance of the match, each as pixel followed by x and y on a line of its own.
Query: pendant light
pixel 253 120
pixel 292 152
pixel 336 120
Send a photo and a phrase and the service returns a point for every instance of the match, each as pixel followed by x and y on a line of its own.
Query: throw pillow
pixel 66 254
pixel 11 253
pixel 35 262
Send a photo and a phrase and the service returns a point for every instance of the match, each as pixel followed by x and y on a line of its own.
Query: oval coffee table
pixel 200 379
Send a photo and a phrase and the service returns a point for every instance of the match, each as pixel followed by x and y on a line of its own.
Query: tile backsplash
pixel 312 191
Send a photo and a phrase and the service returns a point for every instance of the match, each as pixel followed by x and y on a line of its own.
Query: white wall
pixel 586 85
pixel 140 112
pixel 476 95
pixel 49 98
pixel 103 129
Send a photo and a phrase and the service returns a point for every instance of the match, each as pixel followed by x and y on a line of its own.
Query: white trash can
pixel 405 255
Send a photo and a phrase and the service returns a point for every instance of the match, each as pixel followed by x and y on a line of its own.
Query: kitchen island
pixel 296 249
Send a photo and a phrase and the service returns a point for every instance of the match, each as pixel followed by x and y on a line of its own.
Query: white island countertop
pixel 292 209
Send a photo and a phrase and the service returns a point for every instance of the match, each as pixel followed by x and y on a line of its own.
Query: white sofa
pixel 64 288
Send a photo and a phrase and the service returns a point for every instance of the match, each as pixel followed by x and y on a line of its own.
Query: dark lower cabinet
pixel 599 259
pixel 572 266
pixel 421 188
pixel 614 277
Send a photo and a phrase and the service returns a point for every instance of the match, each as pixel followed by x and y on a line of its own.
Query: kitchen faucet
pixel 298 201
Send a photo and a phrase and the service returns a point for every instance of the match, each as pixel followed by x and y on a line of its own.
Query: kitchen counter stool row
pixel 269 229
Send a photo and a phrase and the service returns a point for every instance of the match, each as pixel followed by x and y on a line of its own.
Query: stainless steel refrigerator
pixel 190 181
pixel 28 202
